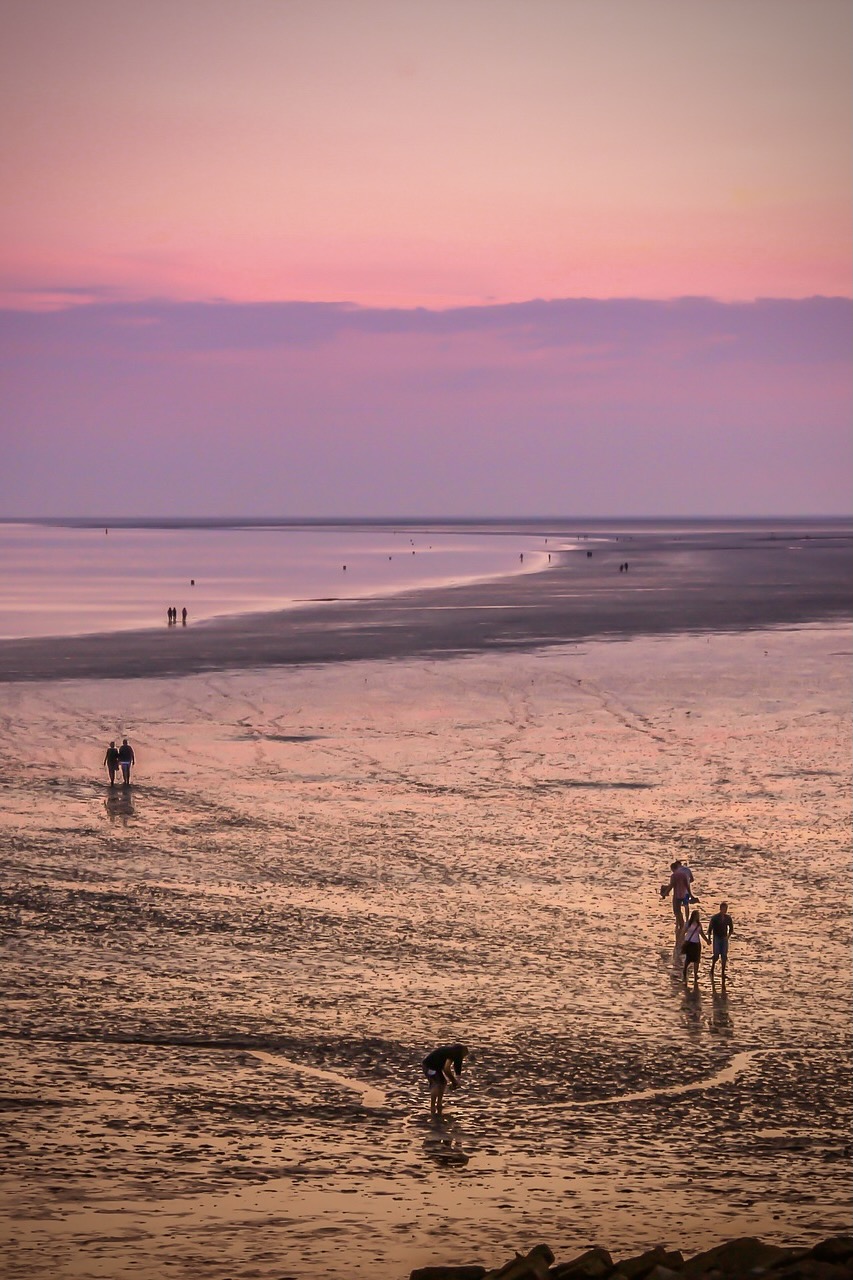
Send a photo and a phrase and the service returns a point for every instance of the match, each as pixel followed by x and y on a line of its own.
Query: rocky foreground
pixel 741 1259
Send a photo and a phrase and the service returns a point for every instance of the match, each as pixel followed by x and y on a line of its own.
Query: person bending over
pixel 443 1067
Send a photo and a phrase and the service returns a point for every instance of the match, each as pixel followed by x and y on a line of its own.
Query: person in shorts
pixel 126 761
pixel 443 1067
pixel 720 929
pixel 679 887
pixel 690 896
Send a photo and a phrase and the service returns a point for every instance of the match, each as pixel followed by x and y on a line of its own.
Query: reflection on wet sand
pixel 726 1075
pixel 370 1096
pixel 222 986
pixel 444 1143
pixel 693 1010
pixel 721 1019
pixel 119 805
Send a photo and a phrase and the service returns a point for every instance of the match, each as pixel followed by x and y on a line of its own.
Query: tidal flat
pixel 220 983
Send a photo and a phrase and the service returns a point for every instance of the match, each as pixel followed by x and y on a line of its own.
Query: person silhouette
pixel 691 945
pixel 443 1067
pixel 111 762
pixel 720 929
pixel 126 760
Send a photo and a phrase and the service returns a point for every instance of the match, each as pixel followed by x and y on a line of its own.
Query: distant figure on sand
pixel 720 929
pixel 679 887
pixel 691 945
pixel 111 762
pixel 183 617
pixel 126 759
pixel 443 1067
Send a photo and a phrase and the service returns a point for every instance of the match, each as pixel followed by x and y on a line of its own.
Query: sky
pixel 425 257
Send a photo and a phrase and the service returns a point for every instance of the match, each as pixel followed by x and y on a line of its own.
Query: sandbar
pixel 728 579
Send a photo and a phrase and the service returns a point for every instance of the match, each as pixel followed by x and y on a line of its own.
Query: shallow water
pixel 73 580
pixel 222 981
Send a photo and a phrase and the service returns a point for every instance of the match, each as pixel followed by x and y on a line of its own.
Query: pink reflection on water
pixel 70 581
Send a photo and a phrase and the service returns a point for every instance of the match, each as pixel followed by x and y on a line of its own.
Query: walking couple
pixel 119 759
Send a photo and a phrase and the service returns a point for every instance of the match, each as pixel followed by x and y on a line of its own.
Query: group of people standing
pixel 689 933
pixel 172 615
pixel 443 1067
pixel 119 759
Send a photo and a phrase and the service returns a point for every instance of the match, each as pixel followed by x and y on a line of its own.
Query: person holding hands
pixel 691 945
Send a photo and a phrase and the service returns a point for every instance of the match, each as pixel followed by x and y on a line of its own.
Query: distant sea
pixel 85 576
pixel 77 577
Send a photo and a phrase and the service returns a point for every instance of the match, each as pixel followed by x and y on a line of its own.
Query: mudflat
pixel 221 981
pixel 728 580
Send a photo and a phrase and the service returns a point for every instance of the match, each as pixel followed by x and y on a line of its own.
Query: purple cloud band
pixel 804 330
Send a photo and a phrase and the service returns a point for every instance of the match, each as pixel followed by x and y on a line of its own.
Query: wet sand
pixel 220 983
pixel 702 581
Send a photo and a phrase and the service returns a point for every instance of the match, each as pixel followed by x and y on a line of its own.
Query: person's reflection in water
pixel 720 1018
pixel 693 1010
pixel 119 806
pixel 677 964
pixel 444 1142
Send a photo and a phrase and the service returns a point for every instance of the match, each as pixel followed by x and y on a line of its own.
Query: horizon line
pixel 225 521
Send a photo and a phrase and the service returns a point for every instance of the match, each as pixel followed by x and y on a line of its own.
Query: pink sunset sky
pixel 409 257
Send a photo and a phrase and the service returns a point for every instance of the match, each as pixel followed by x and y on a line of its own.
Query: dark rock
pixel 738 1257
pixel 592 1265
pixel 835 1249
pixel 784 1265
pixel 746 1258
pixel 448 1273
pixel 638 1268
pixel 812 1269
pixel 530 1266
